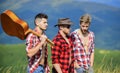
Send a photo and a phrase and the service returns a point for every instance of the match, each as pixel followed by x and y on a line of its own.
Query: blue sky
pixel 115 3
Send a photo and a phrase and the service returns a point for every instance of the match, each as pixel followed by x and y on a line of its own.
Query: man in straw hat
pixel 62 53
pixel 83 40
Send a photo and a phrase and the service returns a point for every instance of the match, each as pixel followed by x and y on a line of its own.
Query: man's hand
pixel 43 39
pixel 76 65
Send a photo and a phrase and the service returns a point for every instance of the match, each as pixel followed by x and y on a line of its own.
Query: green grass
pixel 13 59
pixel 107 61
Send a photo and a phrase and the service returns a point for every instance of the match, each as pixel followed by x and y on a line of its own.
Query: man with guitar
pixel 36 47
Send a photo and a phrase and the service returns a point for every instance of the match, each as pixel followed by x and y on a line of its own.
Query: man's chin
pixel 44 29
pixel 84 32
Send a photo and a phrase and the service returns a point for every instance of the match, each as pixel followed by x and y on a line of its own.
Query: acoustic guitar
pixel 14 26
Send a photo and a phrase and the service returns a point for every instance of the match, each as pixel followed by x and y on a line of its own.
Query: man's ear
pixel 60 27
pixel 37 21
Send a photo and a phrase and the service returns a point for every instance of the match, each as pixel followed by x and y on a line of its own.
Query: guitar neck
pixel 48 40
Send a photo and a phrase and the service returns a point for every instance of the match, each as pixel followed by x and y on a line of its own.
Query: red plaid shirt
pixel 32 41
pixel 80 55
pixel 61 54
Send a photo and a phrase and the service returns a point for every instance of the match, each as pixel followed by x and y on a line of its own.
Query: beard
pixel 84 31
pixel 67 34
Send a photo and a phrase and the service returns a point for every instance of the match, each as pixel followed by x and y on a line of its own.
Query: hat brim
pixel 63 24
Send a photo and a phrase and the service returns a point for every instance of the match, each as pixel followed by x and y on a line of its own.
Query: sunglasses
pixel 67 26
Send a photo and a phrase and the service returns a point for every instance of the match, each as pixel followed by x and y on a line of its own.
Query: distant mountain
pixel 105 22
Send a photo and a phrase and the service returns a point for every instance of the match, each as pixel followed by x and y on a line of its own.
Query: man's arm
pixel 92 59
pixel 35 49
pixel 55 50
pixel 93 50
pixel 57 67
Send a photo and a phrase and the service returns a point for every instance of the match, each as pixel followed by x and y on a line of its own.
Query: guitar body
pixel 13 26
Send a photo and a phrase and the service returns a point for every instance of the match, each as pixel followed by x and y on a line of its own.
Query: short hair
pixel 41 15
pixel 85 18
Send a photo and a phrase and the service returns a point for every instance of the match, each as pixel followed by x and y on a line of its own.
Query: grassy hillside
pixel 13 60
pixel 107 61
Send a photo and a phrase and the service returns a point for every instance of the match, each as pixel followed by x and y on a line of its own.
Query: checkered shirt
pixel 80 55
pixel 32 41
pixel 61 54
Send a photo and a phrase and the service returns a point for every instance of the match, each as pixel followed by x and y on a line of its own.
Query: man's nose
pixel 46 24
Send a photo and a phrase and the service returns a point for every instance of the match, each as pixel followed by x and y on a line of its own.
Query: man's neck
pixel 62 33
pixel 39 30
pixel 64 36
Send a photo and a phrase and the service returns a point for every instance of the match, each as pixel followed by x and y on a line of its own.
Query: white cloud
pixel 32 4
pixel 14 4
pixel 115 3
pixel 98 19
pixel 101 1
pixel 46 5
pixel 56 3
